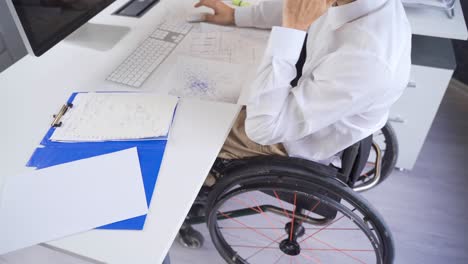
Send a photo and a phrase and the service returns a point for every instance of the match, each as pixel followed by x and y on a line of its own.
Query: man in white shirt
pixel 357 65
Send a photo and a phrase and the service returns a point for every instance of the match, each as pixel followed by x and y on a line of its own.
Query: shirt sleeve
pixel 343 84
pixel 266 14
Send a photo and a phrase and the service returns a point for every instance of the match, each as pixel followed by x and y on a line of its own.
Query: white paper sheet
pixel 116 116
pixel 70 198
pixel 207 80
pixel 228 44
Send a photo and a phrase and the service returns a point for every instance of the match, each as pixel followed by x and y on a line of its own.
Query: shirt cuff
pixel 243 16
pixel 286 43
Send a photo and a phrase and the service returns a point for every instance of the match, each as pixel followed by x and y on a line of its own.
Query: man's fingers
pixel 207 3
pixel 202 3
pixel 330 2
pixel 210 18
pixel 199 4
pixel 223 14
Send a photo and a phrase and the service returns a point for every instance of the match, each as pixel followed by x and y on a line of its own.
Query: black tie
pixel 300 63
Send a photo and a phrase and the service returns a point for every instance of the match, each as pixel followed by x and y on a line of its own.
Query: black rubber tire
pixel 268 175
pixel 391 153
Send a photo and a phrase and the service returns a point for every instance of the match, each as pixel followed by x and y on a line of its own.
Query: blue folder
pixel 150 154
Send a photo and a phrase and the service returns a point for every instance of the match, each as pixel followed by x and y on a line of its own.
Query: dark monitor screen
pixel 47 22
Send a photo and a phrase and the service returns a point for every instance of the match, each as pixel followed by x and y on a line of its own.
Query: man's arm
pixel 342 85
pixel 339 87
pixel 264 15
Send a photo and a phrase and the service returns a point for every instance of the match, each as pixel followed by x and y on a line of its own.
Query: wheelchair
pixel 272 209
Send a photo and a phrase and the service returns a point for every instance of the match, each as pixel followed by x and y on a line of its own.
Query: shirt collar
pixel 340 15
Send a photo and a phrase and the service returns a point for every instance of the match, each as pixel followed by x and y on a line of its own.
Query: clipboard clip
pixel 61 113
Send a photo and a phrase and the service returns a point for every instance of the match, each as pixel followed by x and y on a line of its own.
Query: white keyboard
pixel 136 69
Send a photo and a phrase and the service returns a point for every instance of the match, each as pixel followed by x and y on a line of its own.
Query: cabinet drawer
pixel 413 114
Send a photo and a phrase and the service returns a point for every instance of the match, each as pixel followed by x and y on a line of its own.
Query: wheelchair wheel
pixel 259 215
pixel 388 144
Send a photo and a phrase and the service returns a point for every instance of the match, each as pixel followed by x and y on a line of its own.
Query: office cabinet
pixel 413 114
pixel 433 66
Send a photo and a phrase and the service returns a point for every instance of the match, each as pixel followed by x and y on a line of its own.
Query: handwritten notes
pixel 116 116
pixel 208 80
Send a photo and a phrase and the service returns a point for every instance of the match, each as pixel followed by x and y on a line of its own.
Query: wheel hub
pixel 291 248
pixel 298 231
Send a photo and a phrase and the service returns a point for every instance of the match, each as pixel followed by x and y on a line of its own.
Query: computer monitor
pixel 44 23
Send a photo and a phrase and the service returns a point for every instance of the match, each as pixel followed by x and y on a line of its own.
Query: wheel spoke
pixel 314 259
pixel 310 211
pixel 258 210
pixel 278 228
pixel 323 228
pixel 240 202
pixel 250 246
pixel 237 237
pixel 263 248
pixel 281 204
pixel 258 228
pixel 294 215
pixel 262 213
pixel 335 229
pixel 278 260
pixel 338 250
pixel 302 253
pixel 248 227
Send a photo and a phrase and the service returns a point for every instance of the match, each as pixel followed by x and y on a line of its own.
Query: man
pixel 357 65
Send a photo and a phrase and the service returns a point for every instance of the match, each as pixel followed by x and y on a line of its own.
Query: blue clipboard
pixel 150 154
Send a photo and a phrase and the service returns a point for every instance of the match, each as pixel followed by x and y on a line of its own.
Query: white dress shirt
pixel 358 64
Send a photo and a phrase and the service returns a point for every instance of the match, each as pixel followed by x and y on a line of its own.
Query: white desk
pixel 34 88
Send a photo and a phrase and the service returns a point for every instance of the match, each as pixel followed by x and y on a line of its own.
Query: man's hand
pixel 223 14
pixel 300 14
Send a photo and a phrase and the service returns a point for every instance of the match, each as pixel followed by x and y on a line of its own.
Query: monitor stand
pixel 97 36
